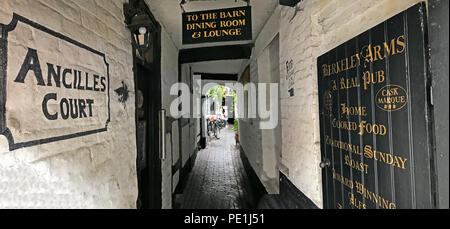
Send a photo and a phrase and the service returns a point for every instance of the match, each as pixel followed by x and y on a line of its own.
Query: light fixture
pixel 141 27
pixel 142 30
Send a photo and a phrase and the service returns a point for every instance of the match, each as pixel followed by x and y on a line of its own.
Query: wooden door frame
pixel 153 130
pixel 418 187
pixel 438 38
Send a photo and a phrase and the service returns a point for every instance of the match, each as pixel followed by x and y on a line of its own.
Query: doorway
pixel 147 92
pixel 148 162
pixel 146 42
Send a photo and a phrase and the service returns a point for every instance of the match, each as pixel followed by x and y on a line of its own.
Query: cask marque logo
pixel 391 98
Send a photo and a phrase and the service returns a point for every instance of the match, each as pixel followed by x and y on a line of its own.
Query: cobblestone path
pixel 218 179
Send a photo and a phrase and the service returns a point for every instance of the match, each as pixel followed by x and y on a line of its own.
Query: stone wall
pixel 317 26
pixel 93 171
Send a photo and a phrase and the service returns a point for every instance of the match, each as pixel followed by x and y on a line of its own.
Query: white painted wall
pixel 269 72
pixel 94 171
pixel 260 146
pixel 169 76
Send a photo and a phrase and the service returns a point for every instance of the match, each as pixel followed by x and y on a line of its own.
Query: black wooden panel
pixel 418 88
pixel 396 72
pixel 3 63
pixel 375 123
pixel 218 76
pixel 381 117
pixel 336 160
pixel 230 24
pixel 346 171
pixel 365 99
pixel 326 150
pixel 227 52
pixel 353 98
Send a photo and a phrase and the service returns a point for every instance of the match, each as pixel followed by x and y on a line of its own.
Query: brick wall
pixel 93 171
pixel 318 27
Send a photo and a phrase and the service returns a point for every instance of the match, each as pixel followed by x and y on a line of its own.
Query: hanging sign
pixel 51 87
pixel 232 24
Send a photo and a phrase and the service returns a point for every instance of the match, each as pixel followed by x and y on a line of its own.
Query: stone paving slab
pixel 218 179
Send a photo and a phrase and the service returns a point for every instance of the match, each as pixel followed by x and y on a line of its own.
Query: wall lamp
pixel 141 28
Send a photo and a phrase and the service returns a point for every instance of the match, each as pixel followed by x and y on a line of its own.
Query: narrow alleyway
pixel 218 180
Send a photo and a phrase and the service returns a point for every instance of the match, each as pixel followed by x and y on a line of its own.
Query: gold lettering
pixel 325 70
pixel 342 145
pixel 352 61
pixel 395 161
pixel 232 23
pixel 366 79
pixel 377 54
pixel 368 151
pixel 346 125
pixel 401 43
pixel 369 56
pixel 208 16
pixel 333 69
pixel 355 165
pixel 359 111
pixel 359 59
pixel 369 195
pixel 233 14
pixel 349 83
pixel 202 25
pixel 380 156
pixel 223 32
pixel 402 160
pixel 389 159
pixel 355 149
pixel 370 53
pixel 389 50
pixel 196 35
pixel 370 78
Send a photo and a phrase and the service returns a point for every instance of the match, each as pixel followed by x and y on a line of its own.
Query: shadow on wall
pixel 289 198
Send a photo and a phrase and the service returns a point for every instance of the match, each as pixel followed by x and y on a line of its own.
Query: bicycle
pixel 214 128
